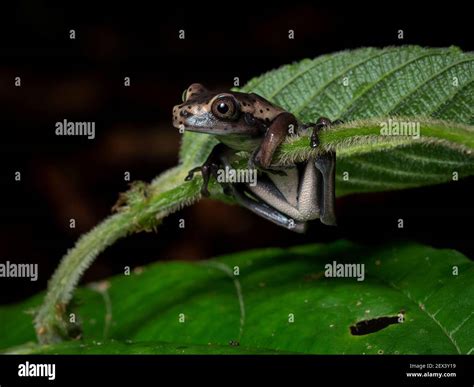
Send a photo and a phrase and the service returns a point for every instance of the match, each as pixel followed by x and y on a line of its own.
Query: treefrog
pixel 287 196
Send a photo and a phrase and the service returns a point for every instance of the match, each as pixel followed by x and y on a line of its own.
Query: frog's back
pixel 258 107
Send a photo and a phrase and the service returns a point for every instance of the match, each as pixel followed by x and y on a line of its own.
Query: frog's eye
pixel 225 107
pixel 183 96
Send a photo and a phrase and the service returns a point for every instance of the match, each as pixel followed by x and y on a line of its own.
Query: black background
pixel 82 79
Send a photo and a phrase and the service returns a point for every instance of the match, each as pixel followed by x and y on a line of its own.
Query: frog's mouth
pixel 192 123
pixel 205 124
pixel 218 131
pixel 197 129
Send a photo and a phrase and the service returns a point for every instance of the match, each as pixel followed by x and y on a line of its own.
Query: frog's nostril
pixel 184 113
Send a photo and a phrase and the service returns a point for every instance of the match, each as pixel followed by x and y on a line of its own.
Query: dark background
pixel 82 79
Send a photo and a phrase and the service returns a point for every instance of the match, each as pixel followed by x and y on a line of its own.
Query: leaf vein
pixel 435 75
pixel 335 78
pixel 431 316
pixel 384 77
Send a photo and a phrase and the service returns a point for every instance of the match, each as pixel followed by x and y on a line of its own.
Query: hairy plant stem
pixel 143 210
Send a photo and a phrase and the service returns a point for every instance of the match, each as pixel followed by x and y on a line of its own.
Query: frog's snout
pixel 177 116
pixel 180 114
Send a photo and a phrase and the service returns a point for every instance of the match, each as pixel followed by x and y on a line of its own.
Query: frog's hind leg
pixel 309 191
pixel 220 157
pixel 297 194
pixel 250 198
pixel 262 209
pixel 326 165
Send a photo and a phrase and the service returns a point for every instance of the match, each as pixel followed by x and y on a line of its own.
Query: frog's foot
pixel 321 124
pixel 207 170
pixel 191 173
pixel 210 168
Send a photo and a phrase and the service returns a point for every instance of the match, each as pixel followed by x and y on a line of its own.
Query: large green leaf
pixel 253 308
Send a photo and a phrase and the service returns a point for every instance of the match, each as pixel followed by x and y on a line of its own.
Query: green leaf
pixel 253 308
pixel 372 82
pixel 429 88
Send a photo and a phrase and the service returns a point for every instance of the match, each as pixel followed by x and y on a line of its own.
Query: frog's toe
pixel 314 141
pixel 191 173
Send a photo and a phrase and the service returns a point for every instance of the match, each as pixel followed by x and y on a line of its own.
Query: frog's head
pixel 219 113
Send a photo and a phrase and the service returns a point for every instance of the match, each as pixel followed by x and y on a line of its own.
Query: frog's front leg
pixel 210 166
pixel 274 136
